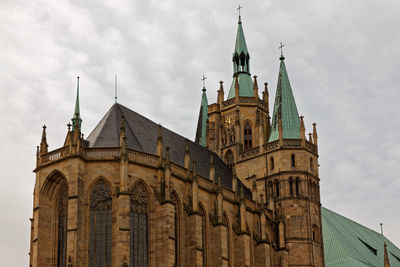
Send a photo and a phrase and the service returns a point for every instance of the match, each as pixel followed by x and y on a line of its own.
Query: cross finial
pixel 204 82
pixel 239 8
pixel 115 89
pixel 281 48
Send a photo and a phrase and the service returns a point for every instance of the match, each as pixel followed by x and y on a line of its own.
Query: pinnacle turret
pixel 201 132
pixel 76 119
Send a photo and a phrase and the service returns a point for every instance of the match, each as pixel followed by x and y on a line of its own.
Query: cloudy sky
pixel 342 58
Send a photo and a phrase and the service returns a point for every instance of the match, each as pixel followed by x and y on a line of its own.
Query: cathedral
pixel 244 193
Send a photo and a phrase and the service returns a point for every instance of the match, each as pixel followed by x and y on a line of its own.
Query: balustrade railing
pixel 249 153
pixel 142 158
pixel 54 155
pixel 102 153
pixel 271 146
pixel 228 102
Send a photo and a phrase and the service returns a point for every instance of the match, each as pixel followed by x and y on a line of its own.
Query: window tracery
pixel 62 216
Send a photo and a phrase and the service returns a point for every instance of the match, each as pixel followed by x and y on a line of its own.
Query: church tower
pixel 272 158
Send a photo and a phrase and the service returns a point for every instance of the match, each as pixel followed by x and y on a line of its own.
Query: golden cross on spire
pixel 239 8
pixel 204 81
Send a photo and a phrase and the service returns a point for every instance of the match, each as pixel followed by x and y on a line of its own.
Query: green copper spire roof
pixel 285 107
pixel 76 119
pixel 201 133
pixel 241 65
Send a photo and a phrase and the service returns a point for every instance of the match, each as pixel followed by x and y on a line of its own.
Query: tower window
pixel 247 136
pixel 272 163
pixel 293 160
pixel 291 186
pixel 270 189
pixel 297 187
pixel 311 164
pixel 277 189
pixel 229 159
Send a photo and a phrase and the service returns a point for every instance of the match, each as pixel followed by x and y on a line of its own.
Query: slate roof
pixel 349 244
pixel 141 135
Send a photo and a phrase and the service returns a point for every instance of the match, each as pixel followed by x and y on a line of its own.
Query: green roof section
pixel 76 119
pixel 285 107
pixel 240 45
pixel 201 133
pixel 349 244
pixel 241 66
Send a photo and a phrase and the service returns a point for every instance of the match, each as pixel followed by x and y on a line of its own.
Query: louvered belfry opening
pixel 100 225
pixel 248 143
pixel 62 215
pixel 138 226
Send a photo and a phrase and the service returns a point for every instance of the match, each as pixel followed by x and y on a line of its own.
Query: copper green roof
pixel 201 133
pixel 349 244
pixel 241 66
pixel 76 119
pixel 285 107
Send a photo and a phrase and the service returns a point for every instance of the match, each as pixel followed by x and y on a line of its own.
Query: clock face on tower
pixel 229 121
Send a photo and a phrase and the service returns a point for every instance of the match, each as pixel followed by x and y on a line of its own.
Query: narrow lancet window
pixel 293 160
pixel 291 186
pixel 62 215
pixel 297 187
pixel 248 143
pixel 175 233
pixel 229 159
pixel 138 226
pixel 100 225
pixel 272 163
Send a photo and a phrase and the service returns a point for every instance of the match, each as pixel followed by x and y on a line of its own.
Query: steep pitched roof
pixel 240 44
pixel 348 244
pixel 245 86
pixel 201 132
pixel 141 135
pixel 285 107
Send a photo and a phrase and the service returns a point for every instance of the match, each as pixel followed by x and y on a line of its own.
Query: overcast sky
pixel 342 58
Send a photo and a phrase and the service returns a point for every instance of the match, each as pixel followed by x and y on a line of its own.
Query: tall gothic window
pixel 175 232
pixel 297 187
pixel 138 226
pixel 248 143
pixel 100 225
pixel 203 237
pixel 277 189
pixel 291 186
pixel 229 159
pixel 293 160
pixel 272 163
pixel 62 215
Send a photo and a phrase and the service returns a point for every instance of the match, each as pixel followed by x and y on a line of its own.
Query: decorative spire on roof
pixel 43 143
pixel 241 64
pixel 76 119
pixel 284 107
pixel 201 133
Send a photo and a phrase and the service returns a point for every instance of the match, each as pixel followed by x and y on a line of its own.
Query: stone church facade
pixel 133 193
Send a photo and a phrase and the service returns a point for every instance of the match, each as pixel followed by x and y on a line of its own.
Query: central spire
pixel 241 65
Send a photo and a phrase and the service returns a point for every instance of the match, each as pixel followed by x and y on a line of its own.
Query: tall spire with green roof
pixel 201 133
pixel 285 108
pixel 241 65
pixel 76 119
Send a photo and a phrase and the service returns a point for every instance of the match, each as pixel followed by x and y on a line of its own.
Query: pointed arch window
pixel 202 247
pixel 229 159
pixel 138 226
pixel 100 225
pixel 277 189
pixel 291 186
pixel 272 163
pixel 248 142
pixel 176 231
pixel 311 164
pixel 62 216
pixel 293 160
pixel 297 185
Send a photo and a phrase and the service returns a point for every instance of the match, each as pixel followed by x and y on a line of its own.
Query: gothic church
pixel 133 193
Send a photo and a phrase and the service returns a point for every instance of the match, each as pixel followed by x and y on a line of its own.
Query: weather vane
pixel 239 8
pixel 204 81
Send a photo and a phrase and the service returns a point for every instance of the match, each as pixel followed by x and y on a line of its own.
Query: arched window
pixel 277 189
pixel 229 159
pixel 62 215
pixel 248 143
pixel 272 163
pixel 291 186
pixel 293 160
pixel 311 164
pixel 315 233
pixel 297 185
pixel 203 237
pixel 176 231
pixel 138 226
pixel 270 189
pixel 311 190
pixel 100 225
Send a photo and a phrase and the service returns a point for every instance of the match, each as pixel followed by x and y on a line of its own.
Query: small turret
pixel 302 129
pixel 43 144
pixel 76 119
pixel 255 87
pixel 220 92
pixel 315 135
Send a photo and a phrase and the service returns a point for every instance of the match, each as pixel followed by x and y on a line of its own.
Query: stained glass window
pixel 176 229
pixel 100 225
pixel 62 215
pixel 138 226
